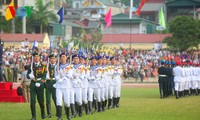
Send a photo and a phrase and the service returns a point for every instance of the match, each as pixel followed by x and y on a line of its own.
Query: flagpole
pixel 130 11
pixel 23 21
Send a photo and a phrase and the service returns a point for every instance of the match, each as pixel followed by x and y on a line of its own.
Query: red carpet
pixel 9 95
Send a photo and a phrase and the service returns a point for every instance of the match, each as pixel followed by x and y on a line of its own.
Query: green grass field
pixel 136 104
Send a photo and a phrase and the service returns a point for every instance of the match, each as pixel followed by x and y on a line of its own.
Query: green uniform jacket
pixel 39 73
pixel 52 81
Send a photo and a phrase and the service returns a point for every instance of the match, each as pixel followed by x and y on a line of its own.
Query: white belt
pixel 162 75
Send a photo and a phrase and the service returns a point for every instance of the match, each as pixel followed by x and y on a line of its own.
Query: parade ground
pixel 139 101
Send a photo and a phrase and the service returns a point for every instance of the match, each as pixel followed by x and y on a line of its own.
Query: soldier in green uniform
pixel 50 84
pixel 37 74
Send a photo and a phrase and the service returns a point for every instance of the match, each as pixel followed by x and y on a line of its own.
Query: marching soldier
pixel 117 72
pixel 162 80
pixel 37 74
pixel 50 82
pixel 102 81
pixel 93 88
pixel 63 74
pixel 178 76
pixel 85 84
pixel 110 83
pixel 78 76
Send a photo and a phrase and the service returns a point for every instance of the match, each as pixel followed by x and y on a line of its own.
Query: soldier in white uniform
pixel 198 80
pixel 63 74
pixel 117 72
pixel 106 78
pixel 110 83
pixel 194 80
pixel 85 83
pixel 78 76
pixel 102 81
pixel 178 76
pixel 93 87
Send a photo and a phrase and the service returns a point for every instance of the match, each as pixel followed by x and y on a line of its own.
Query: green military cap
pixel 36 53
pixel 52 55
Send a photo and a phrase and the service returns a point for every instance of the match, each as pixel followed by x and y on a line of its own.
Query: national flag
pixel 162 18
pixel 60 13
pixel 108 18
pixel 28 10
pixel 10 11
pixel 140 7
pixel 21 12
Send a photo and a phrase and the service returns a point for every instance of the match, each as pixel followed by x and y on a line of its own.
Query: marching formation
pixel 180 78
pixel 78 82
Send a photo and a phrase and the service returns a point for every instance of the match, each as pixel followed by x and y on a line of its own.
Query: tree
pixel 42 13
pixel 185 33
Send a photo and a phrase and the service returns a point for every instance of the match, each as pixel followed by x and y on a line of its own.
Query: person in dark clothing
pixel 163 72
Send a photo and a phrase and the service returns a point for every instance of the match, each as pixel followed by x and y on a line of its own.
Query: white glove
pixel 57 77
pixel 54 85
pixel 31 76
pixel 60 80
pixel 37 84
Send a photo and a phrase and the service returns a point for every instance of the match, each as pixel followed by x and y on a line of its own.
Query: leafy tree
pixel 42 13
pixel 5 25
pixel 185 33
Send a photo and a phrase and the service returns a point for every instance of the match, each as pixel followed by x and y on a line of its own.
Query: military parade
pixel 80 82
pixel 99 59
pixel 180 78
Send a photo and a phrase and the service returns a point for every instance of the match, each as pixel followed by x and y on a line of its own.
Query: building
pixel 16 39
pixel 182 7
pixel 122 24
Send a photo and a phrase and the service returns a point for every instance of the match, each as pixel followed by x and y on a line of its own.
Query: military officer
pixel 63 74
pixel 162 80
pixel 50 82
pixel 37 74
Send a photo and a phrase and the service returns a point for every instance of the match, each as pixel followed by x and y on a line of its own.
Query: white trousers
pixel 102 93
pixel 63 94
pixel 85 95
pixel 106 92
pixel 116 91
pixel 110 92
pixel 76 95
pixel 96 92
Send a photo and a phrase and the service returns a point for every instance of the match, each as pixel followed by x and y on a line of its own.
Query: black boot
pixel 59 112
pixel 90 107
pixel 99 106
pixel 80 110
pixel 109 103
pixel 117 102
pixel 73 110
pixel 48 110
pixel 114 102
pixel 103 105
pixel 177 95
pixel 42 110
pixel 86 109
pixel 67 113
pixel 95 105
pixel 33 112
pixel 106 103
